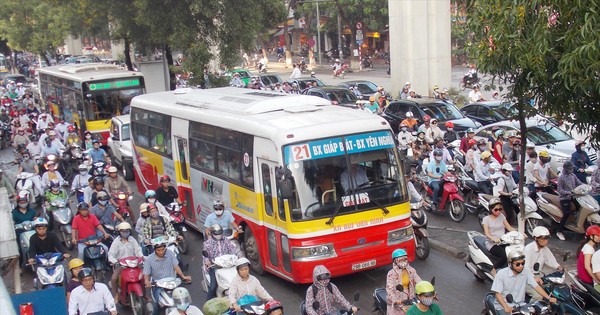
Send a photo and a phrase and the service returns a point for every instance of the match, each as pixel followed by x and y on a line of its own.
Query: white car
pixel 119 145
pixel 546 136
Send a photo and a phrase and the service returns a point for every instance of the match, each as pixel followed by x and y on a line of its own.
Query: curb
pixel 449 250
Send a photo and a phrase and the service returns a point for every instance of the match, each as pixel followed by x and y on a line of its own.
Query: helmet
pixel 95 141
pixel 494 201
pixel 54 183
pixel 426 118
pixel 481 142
pixel 84 273
pixel 51 133
pixel 515 255
pixel 112 169
pixel 33 138
pixel 499 133
pixel 143 207
pixel 181 297
pixel 544 154
pixel 511 133
pixel 98 180
pixel 165 178
pixel 82 167
pixel 592 230
pixel 150 193
pixel 218 205
pixel 102 195
pixel 507 167
pixel 371 98
pixel 242 262
pixel 438 152
pixel 337 60
pixel 540 231
pixel 424 287
pixel 470 130
pixel 75 262
pixel 398 253
pixel 449 124
pixel 123 226
pixel 273 305
pixel 517 142
pixel 409 114
pixel 83 206
pixel 216 229
pixel 159 242
pixel 485 154
pixel 403 125
pixel 40 222
pixel 568 166
pixel 70 128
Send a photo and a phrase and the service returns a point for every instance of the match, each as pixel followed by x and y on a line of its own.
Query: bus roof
pixel 283 117
pixel 88 71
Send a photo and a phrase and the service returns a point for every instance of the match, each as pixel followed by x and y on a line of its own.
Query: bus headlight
pixel 313 252
pixel 400 235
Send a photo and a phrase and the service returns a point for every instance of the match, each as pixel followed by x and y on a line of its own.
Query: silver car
pixel 546 136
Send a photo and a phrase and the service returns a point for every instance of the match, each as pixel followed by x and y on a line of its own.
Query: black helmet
pixel 84 273
pixel 83 206
pixel 98 180
pixel 568 166
pixel 33 138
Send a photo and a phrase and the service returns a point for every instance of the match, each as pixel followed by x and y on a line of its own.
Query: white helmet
pixel 337 60
pixel 182 298
pixel 507 167
pixel 409 114
pixel 241 263
pixel 123 226
pixel 540 231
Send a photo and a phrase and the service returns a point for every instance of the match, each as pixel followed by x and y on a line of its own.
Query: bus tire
pixel 128 171
pixel 252 252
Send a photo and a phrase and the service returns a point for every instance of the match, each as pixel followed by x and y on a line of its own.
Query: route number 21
pixel 301 152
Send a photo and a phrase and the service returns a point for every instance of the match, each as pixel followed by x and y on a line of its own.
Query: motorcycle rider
pixel 475 94
pixel 543 173
pixel 161 264
pixel 464 142
pixel 581 161
pixel 104 211
pixel 325 293
pixel 91 297
pixel 81 180
pixel 494 226
pixel 538 252
pixel 441 145
pixel 410 121
pixel 21 213
pixel 183 301
pixel 72 137
pixel 51 195
pixel 245 284
pixel 450 135
pixel 529 177
pixel 29 165
pixel 296 72
pixel 405 139
pixel 85 225
pixel 97 154
pixel 498 144
pixel 434 132
pixel 44 242
pixel 586 250
pixel 471 75
pixel 87 140
pixel 336 68
pixel 141 221
pixel 220 216
pixel 123 246
pixel 514 280
pixel 98 183
pixel 20 138
pixel 151 199
pixel 115 182
pixel 156 225
pixel 165 193
pixel 401 273
pixel 482 173
pixel 567 182
pixel 216 245
pixel 34 147
pixel 425 297
pixel 506 185
pixel 51 174
pixel 75 266
pixel 435 171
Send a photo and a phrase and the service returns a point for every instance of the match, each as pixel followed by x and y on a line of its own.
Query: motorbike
pixel 537 308
pixel 24 185
pixel 569 302
pixel 468 84
pixel 78 191
pixel 341 72
pixel 480 261
pixel 165 296
pixel 6 135
pixel 111 230
pixel 367 62
pixel 50 272
pixel 532 218
pixel 418 218
pixel 132 284
pixel 62 216
pixel 316 306
pixel 224 272
pixel 28 231
pixel 585 293
pixel 380 299
pixel 99 169
pixel 177 219
pixel 121 199
pixel 303 66
pixel 451 202
pixel 95 257
pixel 72 158
pixel 587 215
pixel 57 163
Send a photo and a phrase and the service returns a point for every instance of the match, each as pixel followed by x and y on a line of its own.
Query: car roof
pixel 495 103
pixel 329 88
pixel 515 123
pixel 421 101
pixel 358 81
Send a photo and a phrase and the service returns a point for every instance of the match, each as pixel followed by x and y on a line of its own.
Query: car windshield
pixel 442 112
pixel 366 87
pixel 329 178
pixel 506 110
pixel 546 133
pixel 125 134
pixel 303 83
pixel 342 96
pixel 243 74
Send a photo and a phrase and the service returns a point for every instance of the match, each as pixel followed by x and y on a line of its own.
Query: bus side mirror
pixel 286 187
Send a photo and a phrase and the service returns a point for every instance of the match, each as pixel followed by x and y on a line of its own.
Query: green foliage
pixel 543 49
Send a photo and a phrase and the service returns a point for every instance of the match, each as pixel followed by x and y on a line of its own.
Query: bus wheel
pixel 252 252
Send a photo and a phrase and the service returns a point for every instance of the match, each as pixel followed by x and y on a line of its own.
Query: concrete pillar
pixel 419 33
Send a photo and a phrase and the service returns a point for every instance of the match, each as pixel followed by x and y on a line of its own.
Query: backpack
pixel 316 290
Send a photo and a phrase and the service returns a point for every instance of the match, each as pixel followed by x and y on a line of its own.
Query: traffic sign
pixel 359 25
pixel 359 42
pixel 359 36
pixel 311 42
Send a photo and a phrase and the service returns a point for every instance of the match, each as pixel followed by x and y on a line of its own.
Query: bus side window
pixel 266 182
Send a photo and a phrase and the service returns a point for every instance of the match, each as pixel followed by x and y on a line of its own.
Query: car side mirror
pixel 356 296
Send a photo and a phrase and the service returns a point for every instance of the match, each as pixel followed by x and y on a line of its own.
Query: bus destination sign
pixel 114 84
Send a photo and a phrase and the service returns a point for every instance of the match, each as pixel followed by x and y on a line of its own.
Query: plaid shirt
pixel 566 184
pixel 159 268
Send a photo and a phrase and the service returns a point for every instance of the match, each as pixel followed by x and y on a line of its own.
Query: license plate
pixel 364 265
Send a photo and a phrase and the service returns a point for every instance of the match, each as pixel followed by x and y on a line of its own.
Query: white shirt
pixel 296 73
pixel 92 301
pixel 596 263
pixel 192 310
pixel 543 256
pixel 475 96
pixel 542 171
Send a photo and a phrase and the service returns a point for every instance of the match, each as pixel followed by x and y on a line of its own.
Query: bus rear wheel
pixel 252 251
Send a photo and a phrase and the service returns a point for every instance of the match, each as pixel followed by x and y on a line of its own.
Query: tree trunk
pixel 523 130
pixel 169 56
pixel 264 50
pixel 43 55
pixel 288 52
pixel 127 53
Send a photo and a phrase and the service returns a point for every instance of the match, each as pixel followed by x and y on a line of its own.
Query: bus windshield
pixel 105 104
pixel 330 178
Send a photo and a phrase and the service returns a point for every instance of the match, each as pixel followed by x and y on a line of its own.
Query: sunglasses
pixel 324 276
pixel 435 123
pixel 519 264
pixel 547 237
pixel 428 294
pixel 497 209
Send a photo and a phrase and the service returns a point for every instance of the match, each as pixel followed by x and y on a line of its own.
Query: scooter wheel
pixel 456 210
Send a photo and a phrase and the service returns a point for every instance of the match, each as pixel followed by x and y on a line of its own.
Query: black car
pixel 490 112
pixel 303 82
pixel 443 111
pixel 336 94
pixel 366 88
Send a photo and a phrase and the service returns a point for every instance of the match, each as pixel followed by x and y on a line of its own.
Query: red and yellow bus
pixel 311 183
pixel 89 95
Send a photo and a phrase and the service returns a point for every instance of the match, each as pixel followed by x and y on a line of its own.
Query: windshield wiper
pixel 383 208
pixel 334 214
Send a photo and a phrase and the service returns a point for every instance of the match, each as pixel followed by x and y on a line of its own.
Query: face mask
pixel 26 158
pixel 103 202
pixel 88 137
pixel 125 234
pixel 450 129
pixel 22 205
pixel 151 200
pixel 323 282
pixel 154 215
pixel 82 172
pixel 219 213
pixel 183 306
pixel 427 301
pixel 482 148
pixel 402 264
pixel 218 237
pixel 403 128
pixel 438 158
pixel 421 136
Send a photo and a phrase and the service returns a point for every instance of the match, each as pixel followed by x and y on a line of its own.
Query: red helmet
pixel 426 118
pixel 165 178
pixel 71 128
pixel 592 230
pixel 471 142
pixel 273 305
pixel 449 124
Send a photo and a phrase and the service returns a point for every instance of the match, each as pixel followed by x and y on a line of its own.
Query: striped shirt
pixel 160 268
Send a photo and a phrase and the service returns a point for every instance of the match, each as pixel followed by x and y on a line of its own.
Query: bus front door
pixel 182 171
pixel 277 258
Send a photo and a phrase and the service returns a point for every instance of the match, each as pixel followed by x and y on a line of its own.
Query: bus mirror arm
pixel 286 187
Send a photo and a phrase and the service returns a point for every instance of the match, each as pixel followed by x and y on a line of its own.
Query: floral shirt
pixel 394 278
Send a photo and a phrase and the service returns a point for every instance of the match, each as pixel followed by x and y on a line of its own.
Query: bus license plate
pixel 364 265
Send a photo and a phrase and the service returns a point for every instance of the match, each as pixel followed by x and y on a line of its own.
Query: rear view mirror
pixel 536 267
pixel 316 305
pixel 509 298
pixel 356 296
pixel 205 253
pixel 400 288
